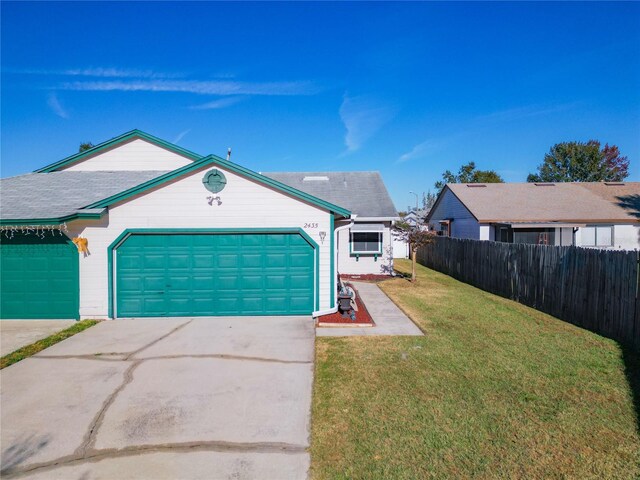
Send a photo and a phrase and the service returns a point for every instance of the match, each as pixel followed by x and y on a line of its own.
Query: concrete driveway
pixel 15 334
pixel 209 398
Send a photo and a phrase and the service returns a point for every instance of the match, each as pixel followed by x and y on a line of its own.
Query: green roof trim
pixel 125 137
pixel 80 215
pixel 225 164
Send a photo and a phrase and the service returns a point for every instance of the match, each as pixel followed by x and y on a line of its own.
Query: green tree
pixel 582 162
pixel 469 174
pixel 84 146
pixel 428 199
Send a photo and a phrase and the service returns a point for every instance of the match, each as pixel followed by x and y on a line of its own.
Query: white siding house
pixel 595 215
pixel 172 233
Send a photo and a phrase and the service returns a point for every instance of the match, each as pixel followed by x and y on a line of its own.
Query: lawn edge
pixel 36 347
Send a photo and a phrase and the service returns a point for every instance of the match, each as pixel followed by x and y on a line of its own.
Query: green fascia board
pixel 154 182
pixel 214 160
pixel 125 137
pixel 212 231
pixel 332 261
pixel 54 221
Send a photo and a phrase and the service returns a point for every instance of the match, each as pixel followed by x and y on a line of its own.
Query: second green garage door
pixel 178 275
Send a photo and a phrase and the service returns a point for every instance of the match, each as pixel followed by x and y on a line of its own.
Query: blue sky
pixel 409 89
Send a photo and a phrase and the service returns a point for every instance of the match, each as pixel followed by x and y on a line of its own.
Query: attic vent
pixel 545 184
pixel 613 184
pixel 476 185
pixel 315 179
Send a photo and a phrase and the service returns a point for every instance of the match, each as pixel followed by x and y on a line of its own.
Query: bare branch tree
pixel 416 236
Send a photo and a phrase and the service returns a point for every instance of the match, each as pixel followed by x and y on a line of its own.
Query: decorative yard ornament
pixel 82 244
pixel 214 181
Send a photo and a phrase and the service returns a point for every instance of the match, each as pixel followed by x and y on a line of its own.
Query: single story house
pixel 139 227
pixel 599 214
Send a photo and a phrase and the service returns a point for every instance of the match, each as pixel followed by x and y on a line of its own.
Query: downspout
pixel 334 309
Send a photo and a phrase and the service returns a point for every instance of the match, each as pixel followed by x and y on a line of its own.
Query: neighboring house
pixel 415 217
pixel 600 215
pixel 172 233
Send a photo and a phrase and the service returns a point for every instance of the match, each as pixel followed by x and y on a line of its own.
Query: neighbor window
pixel 535 236
pixel 366 242
pixel 597 236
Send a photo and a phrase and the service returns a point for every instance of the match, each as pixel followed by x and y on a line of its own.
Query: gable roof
pixel 67 195
pixel 577 202
pixel 363 193
pixel 114 142
pixel 60 196
pixel 212 160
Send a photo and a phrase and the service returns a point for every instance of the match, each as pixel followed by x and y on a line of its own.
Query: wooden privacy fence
pixel 594 289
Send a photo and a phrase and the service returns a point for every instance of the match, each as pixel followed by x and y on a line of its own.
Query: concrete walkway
pixel 389 319
pixel 205 398
pixel 15 334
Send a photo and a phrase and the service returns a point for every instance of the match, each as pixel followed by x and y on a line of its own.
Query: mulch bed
pixel 367 277
pixel 362 316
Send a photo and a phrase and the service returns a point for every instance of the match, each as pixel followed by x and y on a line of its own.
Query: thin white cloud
pixel 56 106
pixel 420 150
pixel 362 117
pixel 524 112
pixel 432 145
pixel 101 72
pixel 180 136
pixel 219 103
pixel 207 87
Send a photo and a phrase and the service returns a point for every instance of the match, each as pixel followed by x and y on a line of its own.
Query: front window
pixel 366 242
pixel 445 228
pixel 535 236
pixel 597 236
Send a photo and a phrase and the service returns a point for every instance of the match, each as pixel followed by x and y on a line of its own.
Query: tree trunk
pixel 413 265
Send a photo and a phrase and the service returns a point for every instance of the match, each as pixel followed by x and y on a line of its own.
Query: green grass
pixel 493 390
pixel 40 345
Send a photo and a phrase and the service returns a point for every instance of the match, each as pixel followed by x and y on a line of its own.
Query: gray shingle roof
pixel 363 193
pixel 58 194
pixel 557 202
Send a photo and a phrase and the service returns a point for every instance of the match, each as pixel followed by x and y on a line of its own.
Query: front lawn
pixel 494 390
pixel 40 345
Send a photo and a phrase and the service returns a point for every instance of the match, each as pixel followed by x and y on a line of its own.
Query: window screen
pixel 597 236
pixel 589 236
pixel 366 242
pixel 603 236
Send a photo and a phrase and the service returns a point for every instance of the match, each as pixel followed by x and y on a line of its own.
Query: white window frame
pixel 365 252
pixel 595 236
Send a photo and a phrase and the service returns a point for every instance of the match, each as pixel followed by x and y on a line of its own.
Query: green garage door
pixel 38 277
pixel 214 274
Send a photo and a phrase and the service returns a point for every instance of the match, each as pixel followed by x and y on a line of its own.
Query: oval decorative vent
pixel 214 180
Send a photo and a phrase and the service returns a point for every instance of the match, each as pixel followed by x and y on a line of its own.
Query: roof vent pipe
pixel 228 154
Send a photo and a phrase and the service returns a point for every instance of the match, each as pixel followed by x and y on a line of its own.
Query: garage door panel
pixel 215 274
pixel 137 284
pixel 182 260
pixel 252 240
pixel 252 260
pixel 251 282
pixel 276 260
pixel 228 260
pixel 154 261
pixel 227 282
pixel 204 260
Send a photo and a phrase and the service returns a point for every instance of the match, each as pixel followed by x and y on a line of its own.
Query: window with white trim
pixel 366 242
pixel 597 236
